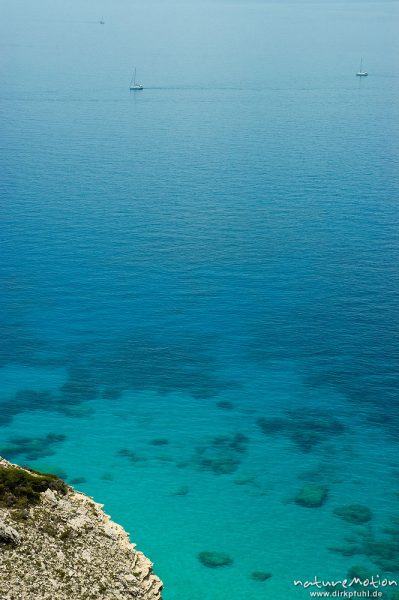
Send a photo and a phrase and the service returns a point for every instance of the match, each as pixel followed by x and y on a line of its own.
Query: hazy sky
pixel 189 42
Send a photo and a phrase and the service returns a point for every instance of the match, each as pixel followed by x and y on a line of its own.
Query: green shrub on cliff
pixel 20 488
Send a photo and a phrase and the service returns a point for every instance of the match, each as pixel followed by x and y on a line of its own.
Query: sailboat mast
pixel 134 85
pixel 361 64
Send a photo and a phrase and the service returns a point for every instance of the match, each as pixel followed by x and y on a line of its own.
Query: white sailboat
pixel 102 22
pixel 134 85
pixel 360 72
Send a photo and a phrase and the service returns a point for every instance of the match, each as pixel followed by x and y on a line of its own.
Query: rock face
pixel 8 535
pixel 64 546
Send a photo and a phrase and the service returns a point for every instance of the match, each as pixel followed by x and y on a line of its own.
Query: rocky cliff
pixel 58 544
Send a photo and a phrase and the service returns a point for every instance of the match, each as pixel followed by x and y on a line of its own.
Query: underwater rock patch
pixel 69 401
pixel 225 405
pixel 131 455
pixel 79 387
pixel 25 401
pixel 182 490
pixel 143 360
pixel 236 442
pixel 383 550
pixel 305 427
pixel 245 480
pixel 354 513
pixel 222 455
pixel 214 560
pixel 345 550
pixel 159 442
pixel 112 394
pixel 78 480
pixel 32 448
pixel 260 575
pixel 312 495
pixel 273 425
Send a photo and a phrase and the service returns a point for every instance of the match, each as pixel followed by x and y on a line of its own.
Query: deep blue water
pixel 182 265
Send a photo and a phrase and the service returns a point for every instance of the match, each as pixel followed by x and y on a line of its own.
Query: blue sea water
pixel 199 280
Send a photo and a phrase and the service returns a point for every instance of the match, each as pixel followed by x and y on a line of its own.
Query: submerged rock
pixel 312 495
pixel 64 546
pixel 159 442
pixel 354 513
pixel 223 454
pixel 225 404
pixel 215 559
pixel 32 448
pixel 305 427
pixel 182 490
pixel 260 575
pixel 77 480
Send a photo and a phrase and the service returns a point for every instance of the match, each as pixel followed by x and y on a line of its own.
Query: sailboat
pixel 102 22
pixel 133 84
pixel 360 72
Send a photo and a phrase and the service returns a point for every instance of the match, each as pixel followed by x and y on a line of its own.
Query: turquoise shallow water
pixel 199 306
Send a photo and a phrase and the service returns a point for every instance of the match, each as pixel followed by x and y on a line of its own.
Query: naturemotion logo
pixel 346 588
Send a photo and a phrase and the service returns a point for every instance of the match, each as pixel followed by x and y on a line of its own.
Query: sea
pixel 200 280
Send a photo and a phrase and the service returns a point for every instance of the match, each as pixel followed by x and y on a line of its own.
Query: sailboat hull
pixel 361 74
pixel 135 88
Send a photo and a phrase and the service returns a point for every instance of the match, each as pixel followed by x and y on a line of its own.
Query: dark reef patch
pixel 112 393
pixel 245 480
pixel 131 455
pixel 79 387
pixel 312 495
pixel 182 490
pixel 354 513
pixel 225 405
pixel 77 480
pixel 348 549
pixel 25 401
pixel 159 442
pixel 382 550
pixel 222 455
pixel 356 356
pixel 215 559
pixel 324 472
pixel 142 361
pixel 31 448
pixel 305 427
pixel 260 575
pixel 68 401
pixel 174 361
pixel 273 425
